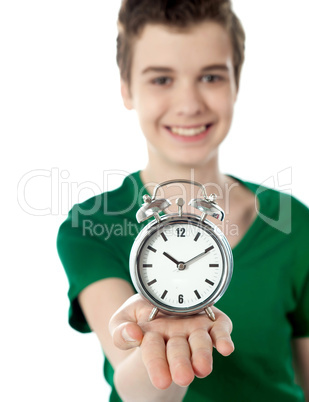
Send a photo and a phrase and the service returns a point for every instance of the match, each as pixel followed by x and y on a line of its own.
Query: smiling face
pixel 183 90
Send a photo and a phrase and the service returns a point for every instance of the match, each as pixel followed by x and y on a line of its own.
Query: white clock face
pixel 180 266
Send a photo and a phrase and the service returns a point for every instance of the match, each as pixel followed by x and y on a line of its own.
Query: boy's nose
pixel 189 101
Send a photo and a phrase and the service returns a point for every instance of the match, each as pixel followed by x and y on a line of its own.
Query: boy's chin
pixel 190 162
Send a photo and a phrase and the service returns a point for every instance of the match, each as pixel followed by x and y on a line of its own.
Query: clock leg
pixel 210 313
pixel 153 314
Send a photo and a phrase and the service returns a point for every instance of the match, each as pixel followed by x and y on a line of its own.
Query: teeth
pixel 188 131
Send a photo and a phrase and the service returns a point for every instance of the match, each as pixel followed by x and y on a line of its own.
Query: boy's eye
pixel 210 78
pixel 161 81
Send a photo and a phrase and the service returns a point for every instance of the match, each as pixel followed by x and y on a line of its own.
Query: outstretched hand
pixel 173 348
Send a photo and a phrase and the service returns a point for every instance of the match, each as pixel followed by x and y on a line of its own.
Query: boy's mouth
pixel 188 131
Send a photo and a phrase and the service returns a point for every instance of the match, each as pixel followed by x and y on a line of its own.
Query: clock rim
pixel 187 218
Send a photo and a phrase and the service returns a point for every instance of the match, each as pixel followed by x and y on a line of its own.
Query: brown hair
pixel 134 15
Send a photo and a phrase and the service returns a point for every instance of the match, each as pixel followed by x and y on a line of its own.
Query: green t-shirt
pixel 267 300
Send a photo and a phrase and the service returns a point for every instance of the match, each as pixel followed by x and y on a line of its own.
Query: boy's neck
pixel 208 173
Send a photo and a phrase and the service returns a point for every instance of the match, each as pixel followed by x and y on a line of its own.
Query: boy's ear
pixel 126 94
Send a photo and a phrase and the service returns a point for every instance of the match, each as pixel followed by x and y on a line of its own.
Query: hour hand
pixel 171 258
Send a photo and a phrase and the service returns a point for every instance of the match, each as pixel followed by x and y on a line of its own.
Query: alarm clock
pixel 181 262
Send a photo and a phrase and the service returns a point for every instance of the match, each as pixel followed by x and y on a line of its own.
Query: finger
pixel 179 360
pixel 201 346
pixel 127 336
pixel 221 334
pixel 154 358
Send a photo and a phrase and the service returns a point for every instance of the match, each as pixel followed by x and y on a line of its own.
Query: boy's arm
pixel 162 367
pixel 301 357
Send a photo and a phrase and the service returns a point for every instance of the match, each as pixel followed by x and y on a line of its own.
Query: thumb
pixel 127 335
pixel 123 326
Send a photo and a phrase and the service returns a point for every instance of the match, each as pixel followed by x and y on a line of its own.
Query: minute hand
pixel 198 256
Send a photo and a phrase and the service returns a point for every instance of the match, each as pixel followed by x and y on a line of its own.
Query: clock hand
pixel 171 258
pixel 198 256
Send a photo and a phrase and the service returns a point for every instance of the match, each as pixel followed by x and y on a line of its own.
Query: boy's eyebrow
pixel 215 67
pixel 155 69
pixel 159 69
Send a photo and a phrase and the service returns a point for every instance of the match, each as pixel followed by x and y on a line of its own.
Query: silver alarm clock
pixel 181 262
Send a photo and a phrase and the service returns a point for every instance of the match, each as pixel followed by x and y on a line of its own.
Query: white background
pixel 62 121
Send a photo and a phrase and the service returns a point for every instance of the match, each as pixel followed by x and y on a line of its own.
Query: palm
pixel 174 349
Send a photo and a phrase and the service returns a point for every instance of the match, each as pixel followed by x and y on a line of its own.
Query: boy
pixel 180 66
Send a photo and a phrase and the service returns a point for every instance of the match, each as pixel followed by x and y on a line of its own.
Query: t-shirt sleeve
pixel 300 316
pixel 86 259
